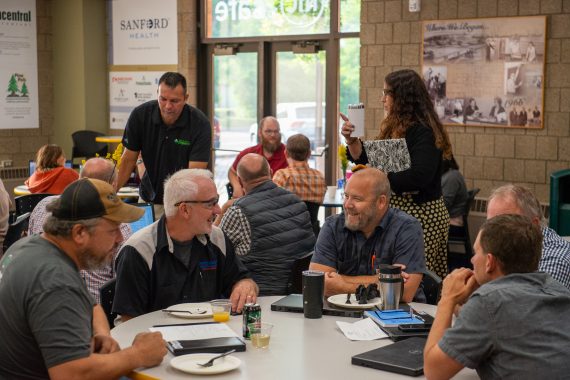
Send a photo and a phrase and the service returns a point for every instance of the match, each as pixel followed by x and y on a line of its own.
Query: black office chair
pixel 16 231
pixel 431 284
pixel 314 212
pixel 85 146
pixel 295 283
pixel 107 293
pixel 459 237
pixel 27 203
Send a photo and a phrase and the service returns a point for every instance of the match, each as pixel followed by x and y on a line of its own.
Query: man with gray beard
pixel 50 325
pixel 352 245
pixel 270 147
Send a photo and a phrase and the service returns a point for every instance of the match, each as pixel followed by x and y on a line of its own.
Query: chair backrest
pixel 314 212
pixel 16 230
pixel 295 283
pixel 431 284
pixel 470 199
pixel 84 144
pixel 107 293
pixel 27 203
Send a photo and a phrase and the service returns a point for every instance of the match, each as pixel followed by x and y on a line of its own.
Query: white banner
pixel 128 89
pixel 145 32
pixel 18 65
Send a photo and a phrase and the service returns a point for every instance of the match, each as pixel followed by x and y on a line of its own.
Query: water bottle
pixel 391 286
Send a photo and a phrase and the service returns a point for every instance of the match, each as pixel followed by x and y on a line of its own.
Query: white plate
pixel 340 300
pixel 188 363
pixel 195 308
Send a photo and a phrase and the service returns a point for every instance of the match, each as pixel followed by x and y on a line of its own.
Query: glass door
pixel 235 84
pixel 300 94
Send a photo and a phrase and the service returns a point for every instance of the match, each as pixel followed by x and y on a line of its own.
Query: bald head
pixel 252 170
pixel 377 181
pixel 99 168
pixel 268 122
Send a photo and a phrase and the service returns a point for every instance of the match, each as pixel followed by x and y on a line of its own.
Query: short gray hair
pixel 181 186
pixel 523 198
pixel 62 228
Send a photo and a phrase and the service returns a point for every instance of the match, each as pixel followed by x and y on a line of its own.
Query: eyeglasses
pixel 386 92
pixel 271 132
pixel 209 204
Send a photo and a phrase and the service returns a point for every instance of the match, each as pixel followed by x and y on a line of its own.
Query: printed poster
pixel 145 32
pixel 18 65
pixel 128 89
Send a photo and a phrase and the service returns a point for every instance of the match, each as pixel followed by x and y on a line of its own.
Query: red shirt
pixel 276 162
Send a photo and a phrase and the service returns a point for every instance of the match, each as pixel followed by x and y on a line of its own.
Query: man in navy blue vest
pixel 269 226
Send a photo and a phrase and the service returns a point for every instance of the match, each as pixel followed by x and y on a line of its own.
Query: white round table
pixel 300 348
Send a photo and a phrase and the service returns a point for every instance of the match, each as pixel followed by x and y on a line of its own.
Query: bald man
pixel 352 245
pixel 269 226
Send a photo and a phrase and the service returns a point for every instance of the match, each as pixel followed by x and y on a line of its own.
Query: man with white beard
pixel 351 246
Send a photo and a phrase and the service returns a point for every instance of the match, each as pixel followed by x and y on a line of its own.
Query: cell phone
pixel 414 327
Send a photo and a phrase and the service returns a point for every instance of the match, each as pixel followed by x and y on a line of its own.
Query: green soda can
pixel 251 314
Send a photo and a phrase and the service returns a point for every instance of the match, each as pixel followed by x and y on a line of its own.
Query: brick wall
pixel 488 157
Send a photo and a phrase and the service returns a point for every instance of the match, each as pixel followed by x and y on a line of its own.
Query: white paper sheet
pixel 355 114
pixel 194 331
pixel 364 329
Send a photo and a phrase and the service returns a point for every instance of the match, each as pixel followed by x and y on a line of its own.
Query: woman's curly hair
pixel 412 104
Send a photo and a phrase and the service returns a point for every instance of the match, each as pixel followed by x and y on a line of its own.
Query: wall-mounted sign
pixel 128 89
pixel 18 65
pixel 486 72
pixel 145 32
pixel 248 18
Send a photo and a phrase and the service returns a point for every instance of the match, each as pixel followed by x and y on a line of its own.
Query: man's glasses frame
pixel 209 204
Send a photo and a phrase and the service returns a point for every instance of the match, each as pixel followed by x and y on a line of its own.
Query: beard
pixel 89 261
pixel 269 146
pixel 362 220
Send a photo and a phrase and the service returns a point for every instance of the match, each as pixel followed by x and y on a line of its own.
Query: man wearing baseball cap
pixel 49 324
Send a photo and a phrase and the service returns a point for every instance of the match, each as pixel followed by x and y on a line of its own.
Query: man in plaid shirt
pixel 309 184
pixel 95 168
pixel 514 199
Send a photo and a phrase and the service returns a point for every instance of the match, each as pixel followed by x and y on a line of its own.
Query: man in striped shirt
pixel 514 199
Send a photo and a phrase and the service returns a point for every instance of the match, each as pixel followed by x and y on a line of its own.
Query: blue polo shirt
pixel 166 149
pixel 398 239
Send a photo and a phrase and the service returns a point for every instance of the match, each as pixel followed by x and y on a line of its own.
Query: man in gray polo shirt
pixel 352 245
pixel 513 323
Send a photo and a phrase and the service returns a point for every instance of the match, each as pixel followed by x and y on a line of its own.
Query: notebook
pixel 32 166
pixel 293 303
pixel 147 218
pixel 405 357
pixel 189 338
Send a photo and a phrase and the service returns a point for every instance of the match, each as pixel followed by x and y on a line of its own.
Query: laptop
pixel 405 357
pixel 147 218
pixel 293 303
pixel 32 166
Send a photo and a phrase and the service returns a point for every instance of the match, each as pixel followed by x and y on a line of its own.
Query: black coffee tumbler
pixel 313 292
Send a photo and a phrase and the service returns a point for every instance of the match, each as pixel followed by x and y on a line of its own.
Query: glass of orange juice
pixel 221 310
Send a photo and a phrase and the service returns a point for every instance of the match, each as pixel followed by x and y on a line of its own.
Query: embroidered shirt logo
pixel 181 142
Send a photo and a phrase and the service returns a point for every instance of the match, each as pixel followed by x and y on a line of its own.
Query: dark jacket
pixel 280 233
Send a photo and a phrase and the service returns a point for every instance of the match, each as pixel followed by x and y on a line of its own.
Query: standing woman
pixel 51 176
pixel 410 114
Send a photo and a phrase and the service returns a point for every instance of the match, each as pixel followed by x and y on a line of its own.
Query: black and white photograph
pixel 486 72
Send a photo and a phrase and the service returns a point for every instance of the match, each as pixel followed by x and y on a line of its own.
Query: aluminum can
pixel 251 314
